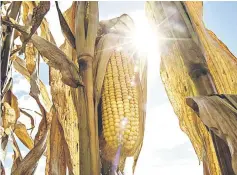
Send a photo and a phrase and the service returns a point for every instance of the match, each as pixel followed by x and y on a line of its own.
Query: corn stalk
pixel 86 22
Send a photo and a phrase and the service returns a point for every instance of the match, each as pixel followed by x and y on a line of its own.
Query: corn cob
pixel 120 112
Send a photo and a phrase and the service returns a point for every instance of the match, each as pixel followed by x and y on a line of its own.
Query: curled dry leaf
pixel 30 116
pixel 21 132
pixel 26 109
pixel 220 115
pixel 58 60
pixel 28 164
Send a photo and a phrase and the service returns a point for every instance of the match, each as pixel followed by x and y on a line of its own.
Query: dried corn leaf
pixel 33 14
pixel 25 13
pixel 173 74
pixel 28 7
pixel 31 111
pixel 58 60
pixel 65 28
pixel 220 116
pixel 38 14
pixel 8 116
pixel 14 104
pixel 30 117
pixel 45 32
pixel 11 112
pixel 20 66
pixel 35 92
pixel 56 155
pixel 21 132
pixel 30 57
pixel 28 164
pixel 176 79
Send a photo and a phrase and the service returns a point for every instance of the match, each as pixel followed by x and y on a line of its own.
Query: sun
pixel 144 37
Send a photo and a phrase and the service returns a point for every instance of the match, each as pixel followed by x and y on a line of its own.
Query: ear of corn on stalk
pixel 120 106
pixel 120 93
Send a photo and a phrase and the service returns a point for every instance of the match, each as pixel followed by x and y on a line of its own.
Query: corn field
pixel 93 119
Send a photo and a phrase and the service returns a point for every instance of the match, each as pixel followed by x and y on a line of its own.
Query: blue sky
pixel 220 17
pixel 167 150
